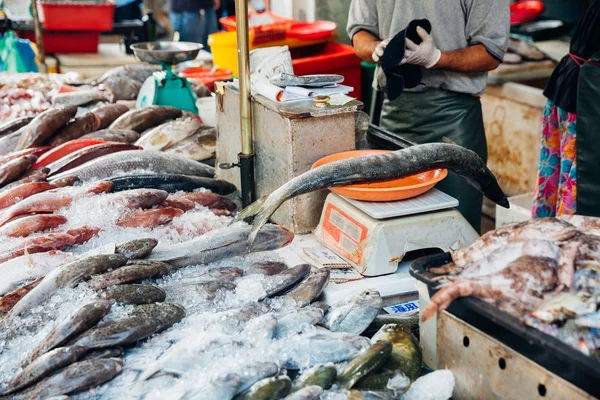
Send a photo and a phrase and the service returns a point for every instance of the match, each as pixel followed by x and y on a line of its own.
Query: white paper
pixel 324 91
pixel 265 88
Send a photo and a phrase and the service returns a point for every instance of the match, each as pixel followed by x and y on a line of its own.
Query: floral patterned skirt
pixel 556 189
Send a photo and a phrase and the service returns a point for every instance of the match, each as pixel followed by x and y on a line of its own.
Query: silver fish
pixel 296 322
pixel 378 168
pixel 221 387
pixel 220 244
pixel 111 165
pixel 29 267
pixel 310 288
pixel 45 365
pixel 80 97
pixel 169 133
pixel 308 351
pixel 74 378
pixel 66 276
pixel 79 321
pixel 354 314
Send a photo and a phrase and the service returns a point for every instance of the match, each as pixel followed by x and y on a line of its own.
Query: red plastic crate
pixel 204 76
pixel 262 33
pixel 66 42
pixel 329 58
pixel 78 16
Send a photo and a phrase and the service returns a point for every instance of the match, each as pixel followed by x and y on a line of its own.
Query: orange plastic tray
pixel 398 189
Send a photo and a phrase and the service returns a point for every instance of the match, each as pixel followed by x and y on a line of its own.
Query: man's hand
pixel 379 50
pixel 425 54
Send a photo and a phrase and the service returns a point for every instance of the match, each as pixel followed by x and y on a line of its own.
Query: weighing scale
pixel 164 87
pixel 374 237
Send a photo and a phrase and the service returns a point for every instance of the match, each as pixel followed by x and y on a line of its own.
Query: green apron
pixel 588 139
pixel 426 117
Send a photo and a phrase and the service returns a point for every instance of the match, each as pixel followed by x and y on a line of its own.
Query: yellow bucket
pixel 223 46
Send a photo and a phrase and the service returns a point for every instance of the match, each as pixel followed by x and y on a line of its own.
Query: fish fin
pixel 446 139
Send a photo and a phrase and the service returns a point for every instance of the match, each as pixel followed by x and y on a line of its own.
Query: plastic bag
pixel 16 54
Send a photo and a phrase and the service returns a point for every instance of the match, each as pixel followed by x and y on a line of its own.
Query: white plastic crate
pixel 519 211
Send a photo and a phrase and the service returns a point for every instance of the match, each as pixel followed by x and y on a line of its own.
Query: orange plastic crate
pixel 262 33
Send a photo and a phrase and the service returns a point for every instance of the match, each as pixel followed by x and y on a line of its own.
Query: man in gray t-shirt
pixel 468 39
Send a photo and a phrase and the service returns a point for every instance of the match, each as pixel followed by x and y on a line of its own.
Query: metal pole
pixel 38 36
pixel 246 157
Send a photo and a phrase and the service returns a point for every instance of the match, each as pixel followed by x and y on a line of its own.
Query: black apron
pixel 588 138
pixel 426 117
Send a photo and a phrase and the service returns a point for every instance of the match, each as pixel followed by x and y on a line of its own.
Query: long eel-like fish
pixel 382 167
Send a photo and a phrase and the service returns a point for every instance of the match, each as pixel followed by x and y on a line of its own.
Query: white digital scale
pixel 374 237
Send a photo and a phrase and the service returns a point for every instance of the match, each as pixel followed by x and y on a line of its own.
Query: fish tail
pixel 250 211
pixel 266 210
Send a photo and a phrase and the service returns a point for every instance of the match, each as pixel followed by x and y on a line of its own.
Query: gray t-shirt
pixel 456 24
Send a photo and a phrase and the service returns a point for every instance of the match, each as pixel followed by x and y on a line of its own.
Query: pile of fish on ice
pixel 124 276
pixel 27 95
pixel 545 272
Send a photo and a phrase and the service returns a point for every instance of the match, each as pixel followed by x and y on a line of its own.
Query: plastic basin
pixel 398 189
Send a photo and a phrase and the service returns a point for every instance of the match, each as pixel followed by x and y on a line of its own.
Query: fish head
pixel 370 296
pixel 148 197
pixel 394 333
pixel 66 181
pixel 272 237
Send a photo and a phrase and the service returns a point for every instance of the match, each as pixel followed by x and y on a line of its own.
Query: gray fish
pixel 16 168
pixel 379 168
pixel 354 314
pixel 134 294
pixel 297 321
pixel 66 276
pixel 306 393
pixel 122 88
pixel 369 361
pixel 45 365
pixel 171 183
pixel 42 127
pixel 267 268
pixel 278 284
pixel 74 378
pixel 268 389
pixel 80 321
pixel 137 248
pixel 169 133
pixel 108 113
pixel 129 273
pixel 109 352
pixel 264 326
pixel 137 72
pixel 322 305
pixel 310 288
pixel 110 165
pixel 14 125
pixel 114 135
pixel 80 97
pixel 221 244
pixel 144 118
pixel 75 129
pixel 322 376
pixel 199 146
pixel 137 326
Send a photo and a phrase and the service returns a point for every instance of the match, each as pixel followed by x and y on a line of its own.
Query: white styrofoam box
pixel 207 110
pixel 519 211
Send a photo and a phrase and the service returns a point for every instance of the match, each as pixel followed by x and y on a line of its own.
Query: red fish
pixel 84 233
pixel 25 226
pixel 8 301
pixel 53 200
pixel 21 192
pixel 177 202
pixel 65 149
pixel 149 218
pixel 38 244
pixel 210 200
